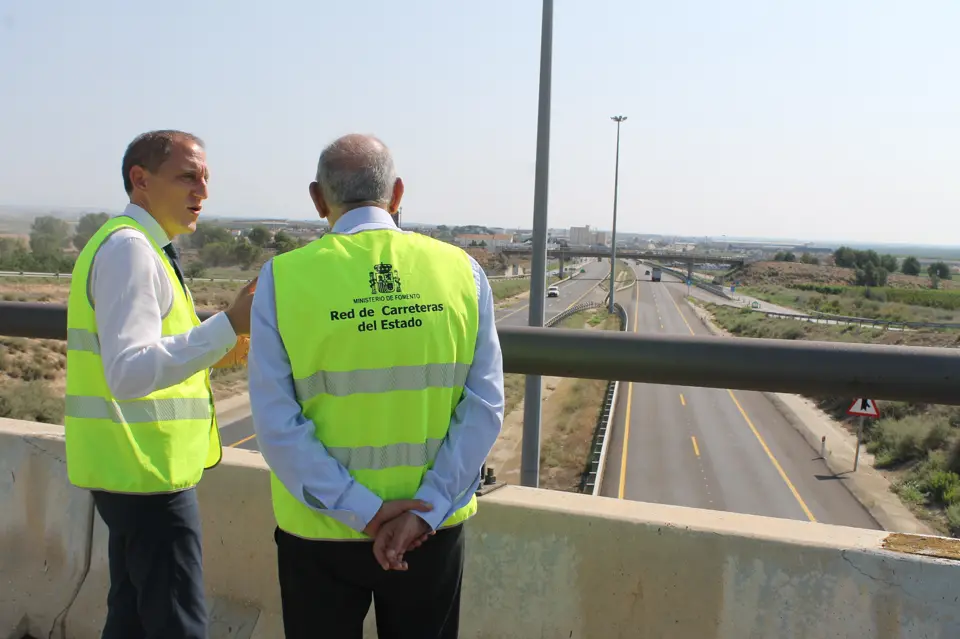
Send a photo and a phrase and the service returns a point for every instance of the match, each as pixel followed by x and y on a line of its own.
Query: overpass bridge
pixel 563 254
pixel 539 563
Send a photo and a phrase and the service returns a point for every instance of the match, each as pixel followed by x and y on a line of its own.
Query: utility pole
pixel 530 451
pixel 613 235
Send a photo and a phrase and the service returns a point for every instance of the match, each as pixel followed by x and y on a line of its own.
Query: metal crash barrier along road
pixel 592 476
pixel 903 373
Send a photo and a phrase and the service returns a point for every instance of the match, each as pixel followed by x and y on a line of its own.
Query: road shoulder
pixel 867 485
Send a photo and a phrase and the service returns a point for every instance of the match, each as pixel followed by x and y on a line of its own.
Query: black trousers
pixel 156 566
pixel 326 588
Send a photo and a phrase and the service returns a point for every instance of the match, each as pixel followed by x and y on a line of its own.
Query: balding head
pixel 356 169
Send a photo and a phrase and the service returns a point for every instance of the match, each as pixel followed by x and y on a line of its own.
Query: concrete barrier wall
pixel 540 564
pixel 45 528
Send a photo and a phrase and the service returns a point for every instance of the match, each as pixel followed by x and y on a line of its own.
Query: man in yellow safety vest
pixel 140 421
pixel 376 388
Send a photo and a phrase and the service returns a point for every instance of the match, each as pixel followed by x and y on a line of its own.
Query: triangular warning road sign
pixel 864 408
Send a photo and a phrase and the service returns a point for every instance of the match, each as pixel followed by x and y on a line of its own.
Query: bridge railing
pixel 631 253
pixel 917 374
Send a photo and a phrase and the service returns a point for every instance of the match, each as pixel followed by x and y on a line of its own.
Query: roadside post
pixel 864 409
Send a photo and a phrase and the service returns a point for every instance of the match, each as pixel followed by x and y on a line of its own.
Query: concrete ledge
pixel 239 555
pixel 539 564
pixel 45 528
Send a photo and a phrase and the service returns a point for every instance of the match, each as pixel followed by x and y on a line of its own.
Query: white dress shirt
pixel 131 294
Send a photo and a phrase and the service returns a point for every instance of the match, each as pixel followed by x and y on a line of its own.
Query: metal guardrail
pixel 487 473
pixel 880 322
pixel 828 319
pixel 570 312
pixel 629 253
pixel 592 476
pixel 710 288
pixel 880 372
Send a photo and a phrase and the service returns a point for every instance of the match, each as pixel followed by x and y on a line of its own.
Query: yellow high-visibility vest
pixel 155 444
pixel 380 328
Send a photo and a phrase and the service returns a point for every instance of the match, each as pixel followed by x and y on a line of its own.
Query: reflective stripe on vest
pixel 380 328
pixel 138 411
pixel 79 339
pixel 155 444
pixel 389 456
pixel 381 380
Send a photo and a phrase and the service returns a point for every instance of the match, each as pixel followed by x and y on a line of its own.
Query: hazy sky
pixel 805 118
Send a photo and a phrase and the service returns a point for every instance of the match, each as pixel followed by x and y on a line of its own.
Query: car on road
pixel 553 291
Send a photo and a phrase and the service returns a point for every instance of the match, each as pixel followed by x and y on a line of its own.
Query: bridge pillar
pixel 690 270
pixel 560 262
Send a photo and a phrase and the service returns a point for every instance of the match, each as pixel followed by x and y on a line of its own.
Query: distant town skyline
pixel 28 212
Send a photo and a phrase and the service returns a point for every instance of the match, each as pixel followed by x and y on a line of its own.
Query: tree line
pixel 873 269
pixel 49 237
pixel 789 256
pixel 217 246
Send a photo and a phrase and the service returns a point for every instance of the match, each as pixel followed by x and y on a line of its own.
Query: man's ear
pixel 138 177
pixel 396 197
pixel 316 194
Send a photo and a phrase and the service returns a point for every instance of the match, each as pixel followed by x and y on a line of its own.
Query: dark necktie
pixel 174 257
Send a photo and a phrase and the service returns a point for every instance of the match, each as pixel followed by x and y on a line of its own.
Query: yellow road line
pixel 584 295
pixel 245 439
pixel 696 449
pixel 776 464
pixel 513 312
pixel 676 306
pixel 626 420
pixel 756 433
pixel 682 400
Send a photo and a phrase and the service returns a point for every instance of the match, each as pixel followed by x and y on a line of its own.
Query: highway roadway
pixel 709 448
pixel 238 433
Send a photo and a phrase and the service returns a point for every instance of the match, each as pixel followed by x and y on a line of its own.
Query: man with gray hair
pixel 376 388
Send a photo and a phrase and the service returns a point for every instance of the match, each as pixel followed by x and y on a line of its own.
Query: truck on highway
pixel 655 277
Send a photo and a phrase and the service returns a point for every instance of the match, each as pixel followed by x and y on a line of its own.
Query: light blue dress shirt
pixel 301 462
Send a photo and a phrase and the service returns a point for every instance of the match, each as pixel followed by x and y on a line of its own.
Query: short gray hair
pixel 356 168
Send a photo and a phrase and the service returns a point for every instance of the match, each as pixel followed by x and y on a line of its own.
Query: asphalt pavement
pixel 239 433
pixel 709 448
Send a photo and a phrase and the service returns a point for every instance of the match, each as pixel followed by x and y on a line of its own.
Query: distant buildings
pixel 583 236
pixel 493 243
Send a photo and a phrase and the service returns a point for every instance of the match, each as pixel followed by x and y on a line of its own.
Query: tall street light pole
pixel 613 235
pixel 530 451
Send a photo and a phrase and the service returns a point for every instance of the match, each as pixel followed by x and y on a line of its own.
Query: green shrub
pixel 31 401
pixel 875 294
pixel 897 441
pixel 909 492
pixel 941 487
pixel 953 458
pixel 793 332
pixel 938 436
pixel 953 519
